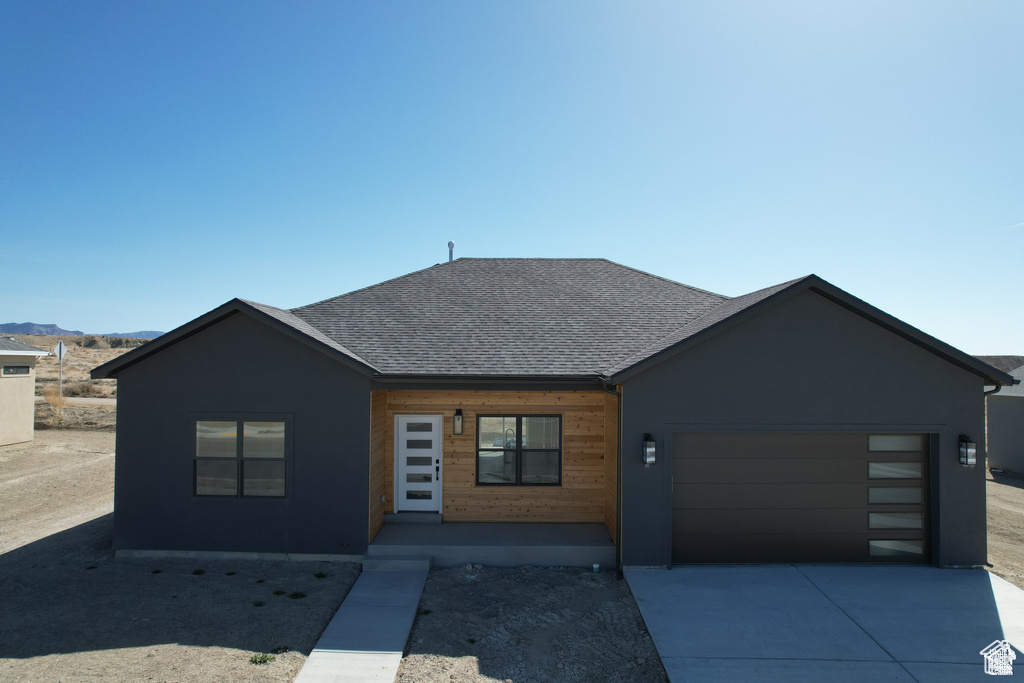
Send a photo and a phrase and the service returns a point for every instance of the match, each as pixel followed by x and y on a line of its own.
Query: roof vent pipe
pixel 451 251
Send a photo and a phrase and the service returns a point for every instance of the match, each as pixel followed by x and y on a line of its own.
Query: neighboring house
pixel 795 423
pixel 1005 426
pixel 17 390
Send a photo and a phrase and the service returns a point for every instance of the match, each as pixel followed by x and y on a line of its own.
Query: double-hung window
pixel 519 450
pixel 241 458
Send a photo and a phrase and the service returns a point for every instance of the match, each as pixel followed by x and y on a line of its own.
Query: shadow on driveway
pixel 827 622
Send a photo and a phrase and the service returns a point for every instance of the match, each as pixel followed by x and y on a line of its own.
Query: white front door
pixel 418 462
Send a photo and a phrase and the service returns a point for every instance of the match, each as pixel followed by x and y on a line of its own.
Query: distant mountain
pixel 144 334
pixel 53 330
pixel 36 328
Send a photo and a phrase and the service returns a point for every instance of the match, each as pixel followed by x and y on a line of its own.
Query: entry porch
pixel 572 522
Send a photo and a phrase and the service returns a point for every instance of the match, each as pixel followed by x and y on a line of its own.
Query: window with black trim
pixel 241 458
pixel 16 369
pixel 519 450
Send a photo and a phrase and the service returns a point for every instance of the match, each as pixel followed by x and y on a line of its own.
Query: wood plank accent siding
pixel 583 495
pixel 378 459
pixel 611 461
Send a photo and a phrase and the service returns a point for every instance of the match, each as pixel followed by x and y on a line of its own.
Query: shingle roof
pixel 1004 363
pixel 9 345
pixel 509 317
pixel 1016 389
pixel 575 319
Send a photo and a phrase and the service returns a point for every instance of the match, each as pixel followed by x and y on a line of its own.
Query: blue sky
pixel 159 158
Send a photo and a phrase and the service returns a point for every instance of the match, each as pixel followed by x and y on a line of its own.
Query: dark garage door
pixel 799 498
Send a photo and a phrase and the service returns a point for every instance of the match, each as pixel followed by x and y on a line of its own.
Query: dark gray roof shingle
pixel 1004 363
pixel 509 317
pixel 1016 389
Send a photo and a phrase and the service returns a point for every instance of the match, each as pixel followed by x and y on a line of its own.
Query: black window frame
pixel 16 370
pixel 240 420
pixel 519 450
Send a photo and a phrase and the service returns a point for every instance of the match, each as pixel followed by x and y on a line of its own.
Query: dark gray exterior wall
pixel 242 366
pixel 804 364
pixel 1006 432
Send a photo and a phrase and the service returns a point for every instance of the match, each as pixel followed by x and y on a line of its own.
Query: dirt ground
pixel 528 624
pixel 1006 526
pixel 82 355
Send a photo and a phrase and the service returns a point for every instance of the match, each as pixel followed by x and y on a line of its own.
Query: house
pixel 794 423
pixel 17 390
pixel 1005 425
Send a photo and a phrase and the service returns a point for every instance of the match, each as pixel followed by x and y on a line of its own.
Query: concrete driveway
pixel 827 622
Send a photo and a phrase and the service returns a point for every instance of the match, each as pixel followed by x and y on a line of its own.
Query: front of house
pixel 796 423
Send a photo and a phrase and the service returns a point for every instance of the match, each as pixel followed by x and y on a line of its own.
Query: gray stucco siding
pixel 242 367
pixel 804 364
pixel 1006 433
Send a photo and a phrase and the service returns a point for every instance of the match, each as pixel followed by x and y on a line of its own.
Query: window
pixel 239 457
pixel 15 369
pixel 519 450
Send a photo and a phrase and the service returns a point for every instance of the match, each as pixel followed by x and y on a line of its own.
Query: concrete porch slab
pixel 498 545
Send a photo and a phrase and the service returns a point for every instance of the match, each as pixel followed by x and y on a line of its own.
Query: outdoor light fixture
pixel 649 450
pixel 457 423
pixel 968 451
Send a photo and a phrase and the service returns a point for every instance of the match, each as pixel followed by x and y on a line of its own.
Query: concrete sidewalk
pixel 365 639
pixel 827 622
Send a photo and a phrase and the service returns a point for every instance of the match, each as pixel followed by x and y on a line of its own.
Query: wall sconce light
pixel 457 422
pixel 649 450
pixel 968 451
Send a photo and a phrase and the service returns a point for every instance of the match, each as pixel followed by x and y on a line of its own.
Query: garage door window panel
pixel 894 470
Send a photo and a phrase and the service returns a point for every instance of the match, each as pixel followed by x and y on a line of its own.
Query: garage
pixel 799 497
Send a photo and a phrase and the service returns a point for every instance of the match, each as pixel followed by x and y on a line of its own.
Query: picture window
pixel 241 458
pixel 519 450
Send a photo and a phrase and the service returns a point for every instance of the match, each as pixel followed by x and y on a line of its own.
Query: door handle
pixel 438 472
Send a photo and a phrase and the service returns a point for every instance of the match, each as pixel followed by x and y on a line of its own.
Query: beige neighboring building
pixel 17 390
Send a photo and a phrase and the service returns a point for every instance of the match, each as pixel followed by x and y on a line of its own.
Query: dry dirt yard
pixel 480 624
pixel 1006 526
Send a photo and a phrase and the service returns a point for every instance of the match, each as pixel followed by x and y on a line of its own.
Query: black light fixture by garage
pixel 649 450
pixel 968 451
pixel 457 422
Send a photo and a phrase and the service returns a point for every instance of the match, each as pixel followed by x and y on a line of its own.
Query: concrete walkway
pixel 365 639
pixel 826 622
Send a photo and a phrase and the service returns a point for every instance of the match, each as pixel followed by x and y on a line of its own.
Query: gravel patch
pixel 528 624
